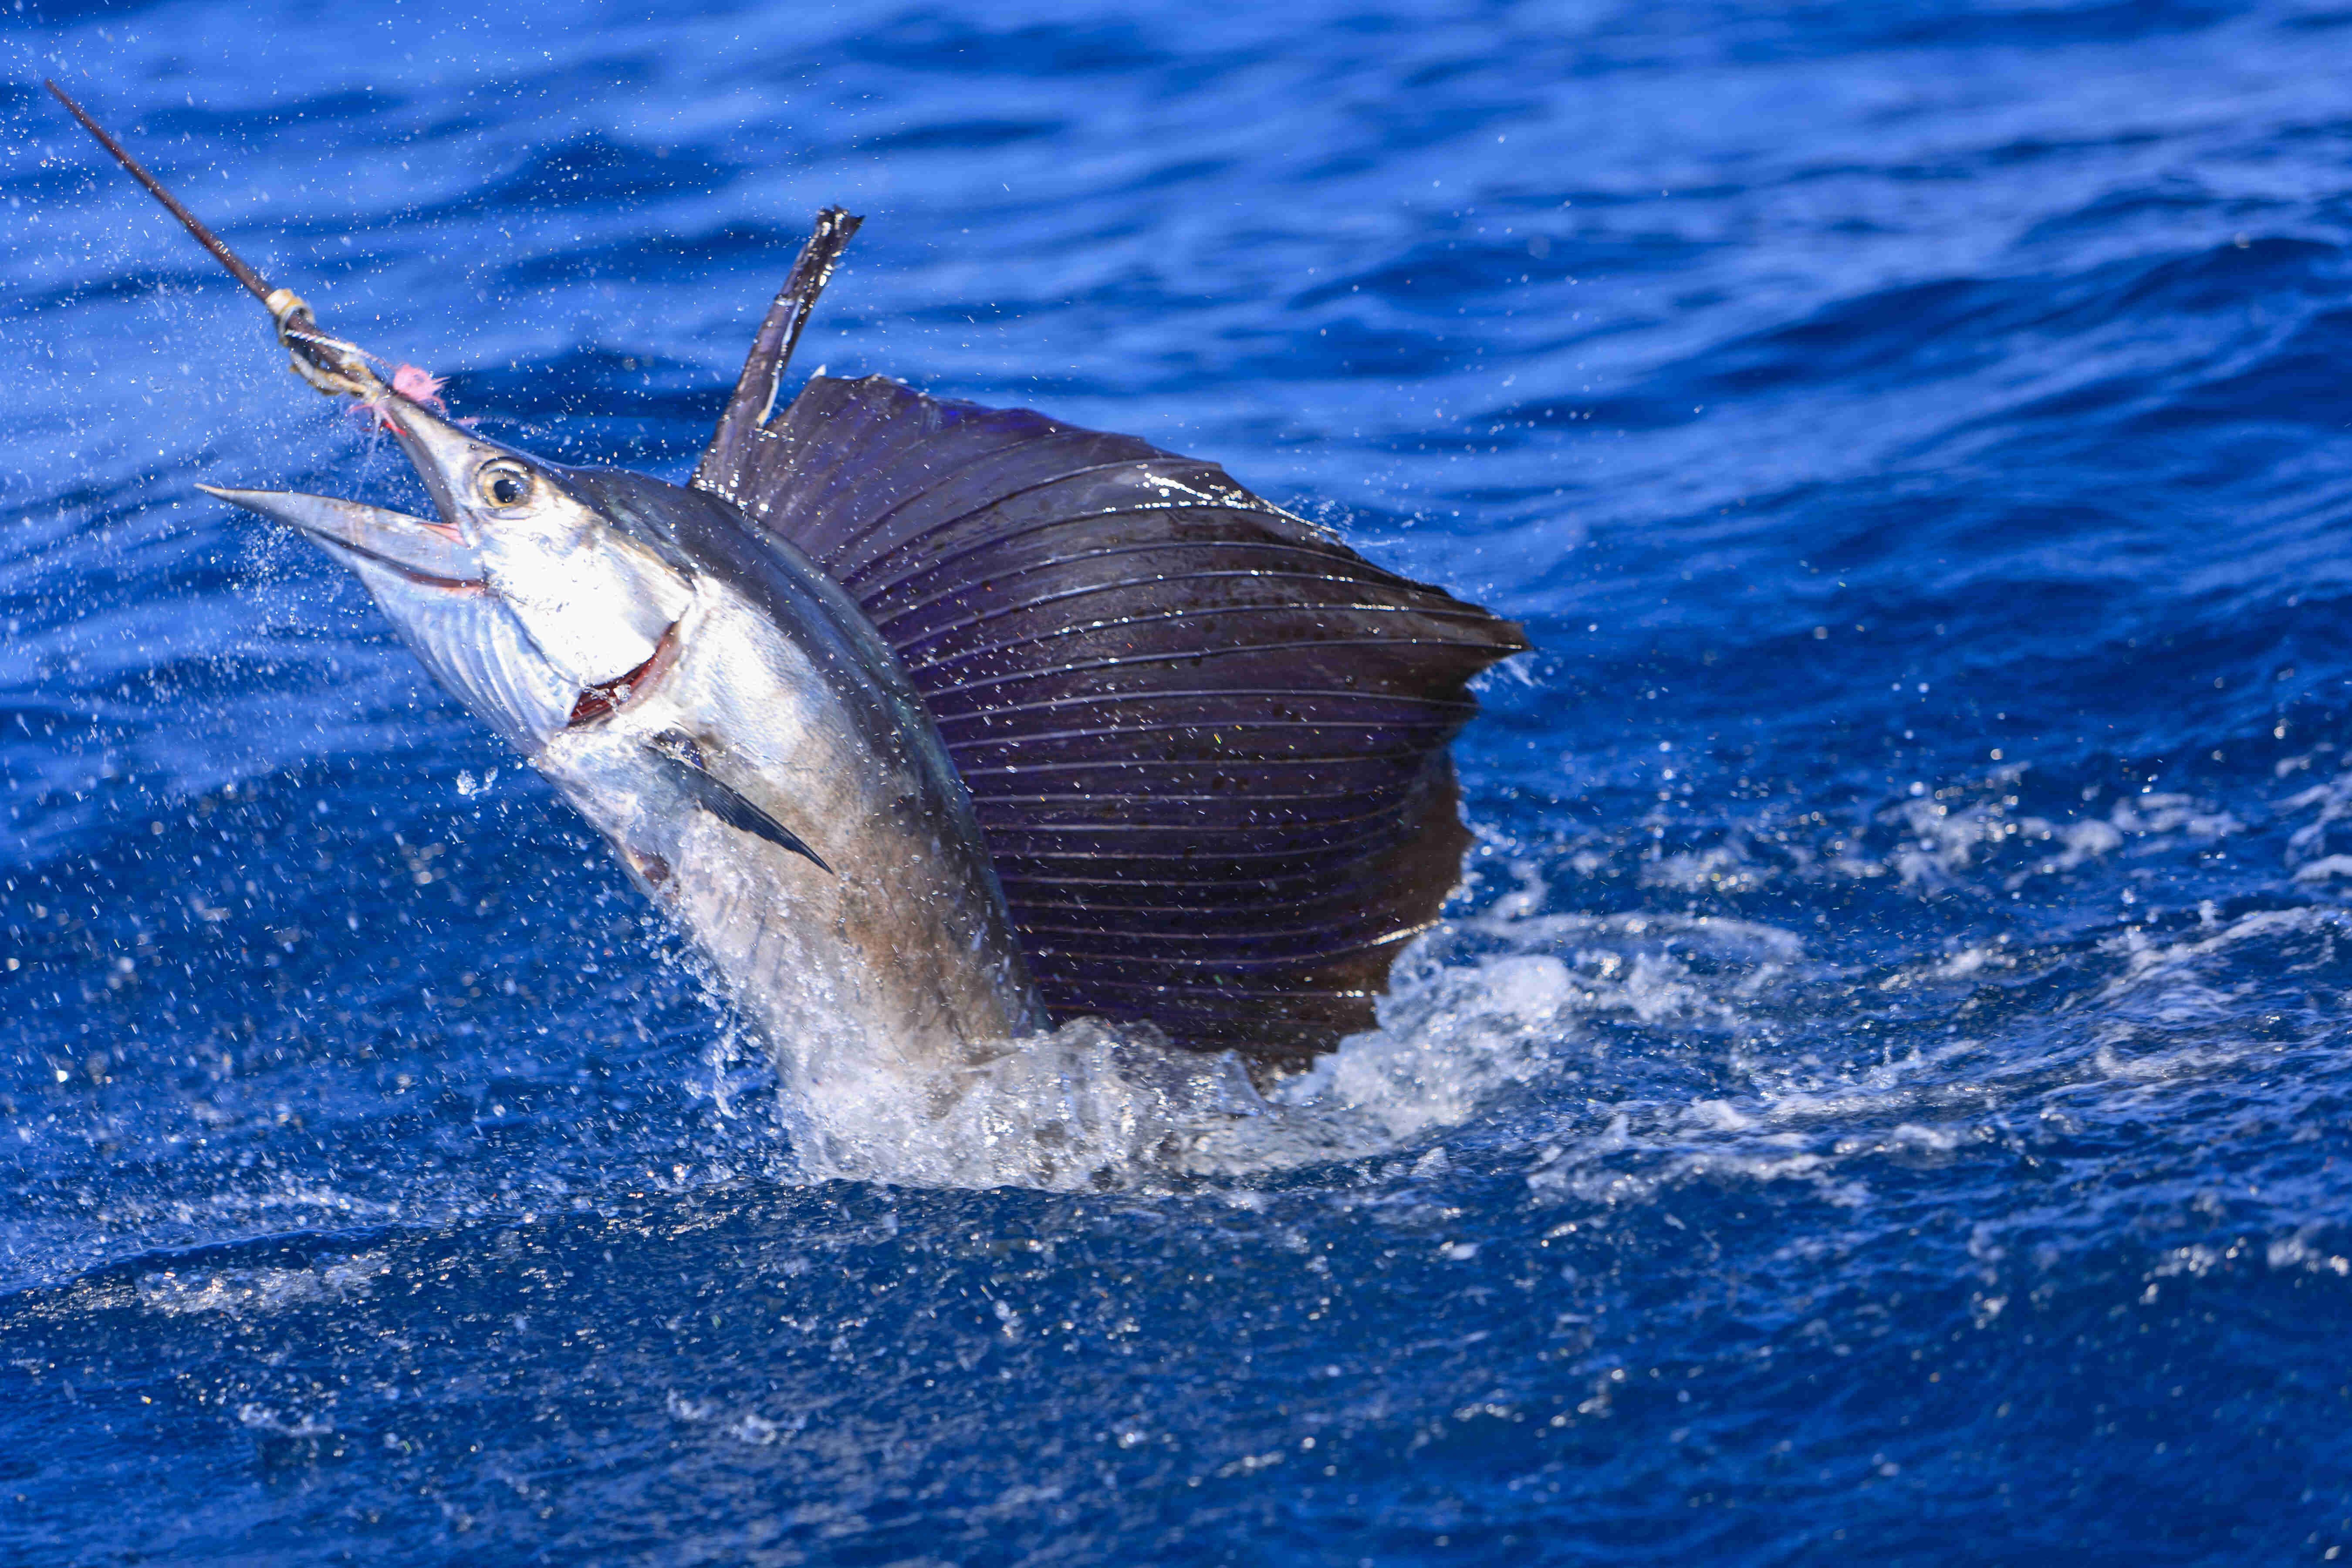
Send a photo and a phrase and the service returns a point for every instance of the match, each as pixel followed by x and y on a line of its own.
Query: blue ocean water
pixel 1877 1097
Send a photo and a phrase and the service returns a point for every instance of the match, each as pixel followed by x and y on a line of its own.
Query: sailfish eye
pixel 504 484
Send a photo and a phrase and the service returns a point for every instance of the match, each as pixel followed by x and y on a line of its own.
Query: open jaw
pixel 610 695
pixel 422 550
pixel 431 585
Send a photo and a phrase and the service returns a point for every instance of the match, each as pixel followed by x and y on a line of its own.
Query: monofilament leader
pixel 934 723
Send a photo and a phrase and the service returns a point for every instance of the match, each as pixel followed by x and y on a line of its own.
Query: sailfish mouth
pixel 429 553
pixel 431 585
pixel 609 697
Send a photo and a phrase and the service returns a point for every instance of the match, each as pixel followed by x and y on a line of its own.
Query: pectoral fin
pixel 690 767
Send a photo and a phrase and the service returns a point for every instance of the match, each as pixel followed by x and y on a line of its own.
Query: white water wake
pixel 1475 1009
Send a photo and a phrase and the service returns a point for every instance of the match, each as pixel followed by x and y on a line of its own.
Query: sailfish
pixel 933 724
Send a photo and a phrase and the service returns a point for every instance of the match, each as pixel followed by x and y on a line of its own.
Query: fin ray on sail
pixel 1124 650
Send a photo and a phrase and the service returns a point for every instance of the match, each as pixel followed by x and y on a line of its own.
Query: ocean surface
pixel 1877 1097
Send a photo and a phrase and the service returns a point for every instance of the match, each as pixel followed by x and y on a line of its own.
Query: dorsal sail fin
pixel 754 397
pixel 1206 741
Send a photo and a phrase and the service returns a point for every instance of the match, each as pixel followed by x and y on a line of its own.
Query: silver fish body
pixel 723 713
pixel 883 946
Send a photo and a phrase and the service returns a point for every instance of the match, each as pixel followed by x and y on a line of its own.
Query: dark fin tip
pixel 692 770
pixel 771 348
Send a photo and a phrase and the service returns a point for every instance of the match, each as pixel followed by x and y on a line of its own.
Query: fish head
pixel 527 603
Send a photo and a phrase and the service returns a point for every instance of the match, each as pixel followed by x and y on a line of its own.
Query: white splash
pixel 1087 1107
pixel 241 1291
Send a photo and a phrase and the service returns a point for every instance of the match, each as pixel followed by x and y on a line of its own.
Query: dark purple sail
pixel 1206 741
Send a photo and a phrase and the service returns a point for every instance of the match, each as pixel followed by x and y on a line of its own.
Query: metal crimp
pixel 334 368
